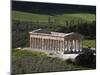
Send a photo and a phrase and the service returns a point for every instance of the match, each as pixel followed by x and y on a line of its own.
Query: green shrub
pixel 86 59
pixel 69 61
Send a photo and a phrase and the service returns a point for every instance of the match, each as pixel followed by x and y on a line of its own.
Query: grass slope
pixel 89 43
pixel 25 61
pixel 24 53
pixel 23 16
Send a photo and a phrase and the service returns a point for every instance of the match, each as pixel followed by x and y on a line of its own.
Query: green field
pixel 89 43
pixel 61 19
pixel 24 53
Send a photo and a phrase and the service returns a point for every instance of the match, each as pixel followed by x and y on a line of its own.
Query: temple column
pixel 50 44
pixel 79 45
pixel 62 45
pixel 32 42
pixel 53 44
pixel 71 45
pixel 74 45
pixel 56 45
pixel 68 45
pixel 47 44
pixel 42 43
pixel 59 45
pixel 37 43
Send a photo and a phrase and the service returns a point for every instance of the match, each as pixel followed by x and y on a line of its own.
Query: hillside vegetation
pixel 25 61
pixel 61 19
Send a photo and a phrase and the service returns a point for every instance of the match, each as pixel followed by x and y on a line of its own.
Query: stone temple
pixel 55 41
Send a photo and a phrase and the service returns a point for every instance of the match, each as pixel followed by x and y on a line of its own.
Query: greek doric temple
pixel 55 41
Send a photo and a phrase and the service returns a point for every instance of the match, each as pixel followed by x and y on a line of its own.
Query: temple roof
pixel 41 31
pixel 45 32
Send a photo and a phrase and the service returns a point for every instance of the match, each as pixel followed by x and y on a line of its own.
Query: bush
pixel 69 61
pixel 86 60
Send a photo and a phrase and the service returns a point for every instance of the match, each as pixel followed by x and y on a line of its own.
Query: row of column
pixel 46 44
pixel 56 45
pixel 73 46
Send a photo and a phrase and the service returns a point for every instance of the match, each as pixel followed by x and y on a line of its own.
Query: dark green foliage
pixel 69 61
pixel 87 60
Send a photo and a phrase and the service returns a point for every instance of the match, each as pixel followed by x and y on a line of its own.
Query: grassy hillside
pixel 25 61
pixel 24 53
pixel 61 19
pixel 89 43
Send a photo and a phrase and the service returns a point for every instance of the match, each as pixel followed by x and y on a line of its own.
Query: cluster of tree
pixel 87 60
pixel 21 29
